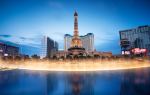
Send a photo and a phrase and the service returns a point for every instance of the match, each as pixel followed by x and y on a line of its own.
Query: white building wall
pixel 43 47
pixel 67 42
pixel 87 42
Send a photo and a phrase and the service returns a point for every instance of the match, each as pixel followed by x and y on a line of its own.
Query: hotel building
pixel 7 49
pixel 137 37
pixel 67 41
pixel 77 46
pixel 87 42
pixel 48 48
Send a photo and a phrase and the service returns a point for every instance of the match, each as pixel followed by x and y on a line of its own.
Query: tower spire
pixel 76 42
pixel 76 24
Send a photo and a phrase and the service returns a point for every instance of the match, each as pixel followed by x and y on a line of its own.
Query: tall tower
pixel 76 42
pixel 76 25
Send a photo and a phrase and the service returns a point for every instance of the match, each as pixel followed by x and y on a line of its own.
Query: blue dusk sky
pixel 25 21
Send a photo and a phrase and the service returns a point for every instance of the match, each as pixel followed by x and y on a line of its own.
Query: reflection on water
pixel 136 82
pixel 24 82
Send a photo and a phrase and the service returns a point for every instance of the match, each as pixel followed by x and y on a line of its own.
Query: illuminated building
pixel 81 45
pixel 8 49
pixel 137 37
pixel 76 43
pixel 61 54
pixel 86 41
pixel 49 47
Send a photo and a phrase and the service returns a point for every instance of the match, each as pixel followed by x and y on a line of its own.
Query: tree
pixel 35 56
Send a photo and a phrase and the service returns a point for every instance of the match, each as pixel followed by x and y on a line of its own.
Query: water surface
pixel 27 82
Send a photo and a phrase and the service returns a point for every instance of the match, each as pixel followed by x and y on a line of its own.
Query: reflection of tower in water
pixel 76 83
pixel 79 84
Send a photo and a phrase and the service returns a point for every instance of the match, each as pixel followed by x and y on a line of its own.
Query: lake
pixel 28 82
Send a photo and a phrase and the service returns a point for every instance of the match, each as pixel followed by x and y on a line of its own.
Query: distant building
pixel 67 41
pixel 137 37
pixel 49 47
pixel 8 50
pixel 87 42
pixel 63 54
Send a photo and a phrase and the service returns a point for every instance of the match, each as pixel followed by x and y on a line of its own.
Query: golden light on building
pixel 76 41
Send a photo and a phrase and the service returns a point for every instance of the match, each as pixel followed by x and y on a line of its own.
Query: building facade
pixel 79 46
pixel 8 50
pixel 87 42
pixel 76 48
pixel 138 37
pixel 48 47
pixel 67 41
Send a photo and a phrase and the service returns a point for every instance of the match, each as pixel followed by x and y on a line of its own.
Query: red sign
pixel 139 51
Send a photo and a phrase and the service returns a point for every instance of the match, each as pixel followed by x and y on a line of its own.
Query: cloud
pixel 35 41
pixel 5 36
pixel 25 38
pixel 21 38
